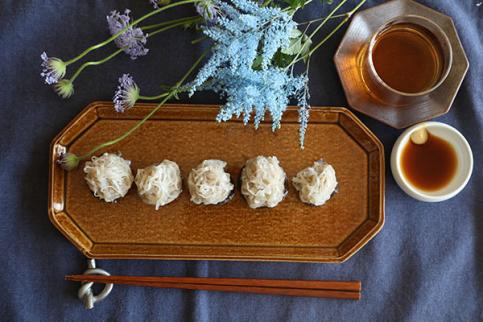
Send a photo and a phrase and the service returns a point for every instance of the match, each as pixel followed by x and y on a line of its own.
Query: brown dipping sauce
pixel 429 166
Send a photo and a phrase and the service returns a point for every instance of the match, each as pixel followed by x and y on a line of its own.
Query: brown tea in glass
pixel 407 58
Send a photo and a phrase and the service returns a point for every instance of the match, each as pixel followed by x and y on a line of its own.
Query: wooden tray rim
pixel 90 252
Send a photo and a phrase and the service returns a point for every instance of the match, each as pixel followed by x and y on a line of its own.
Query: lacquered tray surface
pixel 188 134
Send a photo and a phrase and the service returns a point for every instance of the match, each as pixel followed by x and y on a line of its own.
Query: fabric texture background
pixel 425 265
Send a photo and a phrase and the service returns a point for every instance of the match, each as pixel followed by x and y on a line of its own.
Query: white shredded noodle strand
pixel 263 182
pixel 109 176
pixel 209 184
pixel 159 184
pixel 316 184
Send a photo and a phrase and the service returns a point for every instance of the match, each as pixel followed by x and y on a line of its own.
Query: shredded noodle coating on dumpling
pixel 159 184
pixel 109 176
pixel 316 184
pixel 209 184
pixel 263 182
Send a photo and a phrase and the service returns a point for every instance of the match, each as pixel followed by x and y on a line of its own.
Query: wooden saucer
pixel 351 50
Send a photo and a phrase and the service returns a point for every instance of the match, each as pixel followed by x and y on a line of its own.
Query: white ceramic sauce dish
pixel 464 162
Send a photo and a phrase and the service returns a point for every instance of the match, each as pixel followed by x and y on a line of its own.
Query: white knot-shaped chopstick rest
pixel 85 293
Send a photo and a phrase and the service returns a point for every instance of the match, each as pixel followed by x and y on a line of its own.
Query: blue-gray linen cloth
pixel 425 265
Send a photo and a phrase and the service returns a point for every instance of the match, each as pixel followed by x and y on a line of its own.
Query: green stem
pixel 166 23
pixel 347 17
pixel 197 40
pixel 324 21
pixel 319 19
pixel 153 98
pixel 192 68
pixel 291 11
pixel 316 30
pixel 169 95
pixel 174 26
pixel 114 54
pixel 335 29
pixel 113 37
pixel 128 132
pixel 94 63
pixel 303 47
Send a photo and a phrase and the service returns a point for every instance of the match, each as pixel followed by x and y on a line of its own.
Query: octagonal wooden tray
pixel 188 134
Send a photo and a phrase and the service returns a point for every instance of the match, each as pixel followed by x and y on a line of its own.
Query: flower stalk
pixel 172 93
pixel 331 15
pixel 255 48
pixel 165 26
pixel 347 17
pixel 153 98
pixel 95 63
pixel 166 23
pixel 135 22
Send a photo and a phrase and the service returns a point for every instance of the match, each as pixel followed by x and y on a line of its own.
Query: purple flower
pixel 126 95
pixel 208 9
pixel 132 40
pixel 53 69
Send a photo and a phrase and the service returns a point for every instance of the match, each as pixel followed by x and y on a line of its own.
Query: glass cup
pixel 384 92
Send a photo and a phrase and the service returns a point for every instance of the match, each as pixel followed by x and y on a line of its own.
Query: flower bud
pixel 68 161
pixel 64 88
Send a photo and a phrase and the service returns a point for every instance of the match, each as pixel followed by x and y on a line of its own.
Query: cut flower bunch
pixel 250 63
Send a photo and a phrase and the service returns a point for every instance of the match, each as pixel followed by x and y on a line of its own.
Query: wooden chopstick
pixel 310 288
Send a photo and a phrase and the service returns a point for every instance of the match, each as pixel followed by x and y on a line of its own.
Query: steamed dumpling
pixel 109 176
pixel 159 184
pixel 316 184
pixel 263 182
pixel 209 184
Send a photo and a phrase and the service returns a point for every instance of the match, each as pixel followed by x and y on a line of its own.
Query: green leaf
pixel 257 63
pixel 282 60
pixel 295 33
pixel 295 4
pixel 306 43
pixel 299 44
pixel 294 47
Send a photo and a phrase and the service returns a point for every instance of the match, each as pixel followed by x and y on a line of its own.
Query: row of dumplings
pixel 263 181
